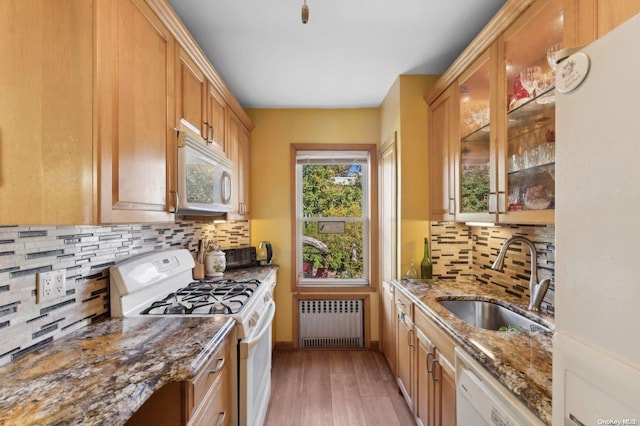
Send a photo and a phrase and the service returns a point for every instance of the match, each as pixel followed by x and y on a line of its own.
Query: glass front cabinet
pixel 475 160
pixel 502 133
pixel 526 151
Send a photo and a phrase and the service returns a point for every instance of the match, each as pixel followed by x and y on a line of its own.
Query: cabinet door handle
pixel 175 205
pixel 205 133
pixel 493 203
pixel 410 337
pixel 430 363
pixel 211 133
pixel 218 366
pixel 433 370
pixel 221 417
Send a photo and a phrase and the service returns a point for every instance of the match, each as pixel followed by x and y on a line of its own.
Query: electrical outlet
pixel 51 285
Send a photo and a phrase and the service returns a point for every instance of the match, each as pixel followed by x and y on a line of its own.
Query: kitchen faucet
pixel 536 290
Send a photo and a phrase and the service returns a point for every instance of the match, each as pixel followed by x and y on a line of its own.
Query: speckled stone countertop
pixel 521 361
pixel 101 374
pixel 256 273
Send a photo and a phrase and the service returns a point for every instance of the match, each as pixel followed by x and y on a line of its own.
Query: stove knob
pixel 266 298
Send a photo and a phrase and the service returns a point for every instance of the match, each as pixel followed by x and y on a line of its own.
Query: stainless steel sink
pixel 490 316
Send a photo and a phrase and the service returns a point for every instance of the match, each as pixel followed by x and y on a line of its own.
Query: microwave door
pixel 202 186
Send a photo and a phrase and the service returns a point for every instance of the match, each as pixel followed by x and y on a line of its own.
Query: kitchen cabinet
pixel 504 168
pixel 586 21
pixel 216 116
pixel 199 103
pixel 526 166
pixel 191 92
pixel 72 152
pixel 238 149
pixel 46 163
pixel 443 140
pixel 476 158
pixel 204 400
pixel 405 347
pixel 435 376
pixel 87 132
pixel 208 396
pixel 135 136
pixel 388 325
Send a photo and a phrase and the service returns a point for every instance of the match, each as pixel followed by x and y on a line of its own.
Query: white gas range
pixel 161 283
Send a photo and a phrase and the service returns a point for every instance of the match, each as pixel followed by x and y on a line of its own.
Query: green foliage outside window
pixel 333 191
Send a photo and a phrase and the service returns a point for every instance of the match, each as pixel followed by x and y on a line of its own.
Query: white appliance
pixel 204 177
pixel 481 400
pixel 160 283
pixel 596 347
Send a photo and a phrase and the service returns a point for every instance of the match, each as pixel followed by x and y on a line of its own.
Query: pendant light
pixel 305 12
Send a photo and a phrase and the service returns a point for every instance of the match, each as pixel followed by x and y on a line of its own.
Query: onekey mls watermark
pixel 618 422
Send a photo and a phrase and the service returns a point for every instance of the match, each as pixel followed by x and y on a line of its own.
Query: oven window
pixel 199 180
pixel 333 207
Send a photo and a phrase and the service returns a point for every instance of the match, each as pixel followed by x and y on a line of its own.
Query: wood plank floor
pixel 327 387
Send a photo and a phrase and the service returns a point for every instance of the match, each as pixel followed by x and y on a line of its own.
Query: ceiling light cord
pixel 305 12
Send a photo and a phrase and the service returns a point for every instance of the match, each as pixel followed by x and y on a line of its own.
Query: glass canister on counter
pixel 412 274
pixel 426 267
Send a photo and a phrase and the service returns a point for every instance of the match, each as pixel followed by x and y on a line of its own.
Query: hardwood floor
pixel 334 387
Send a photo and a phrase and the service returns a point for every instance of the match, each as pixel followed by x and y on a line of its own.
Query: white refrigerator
pixel 596 346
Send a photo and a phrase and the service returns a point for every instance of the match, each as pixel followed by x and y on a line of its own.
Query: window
pixel 333 208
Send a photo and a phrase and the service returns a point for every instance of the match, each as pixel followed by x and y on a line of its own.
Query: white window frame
pixel 320 154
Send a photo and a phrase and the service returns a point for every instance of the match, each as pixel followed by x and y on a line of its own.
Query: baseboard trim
pixel 283 346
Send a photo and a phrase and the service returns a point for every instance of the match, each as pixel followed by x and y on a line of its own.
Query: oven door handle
pixel 266 326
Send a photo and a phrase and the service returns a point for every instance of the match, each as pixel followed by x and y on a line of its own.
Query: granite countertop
pixel 101 374
pixel 521 361
pixel 261 273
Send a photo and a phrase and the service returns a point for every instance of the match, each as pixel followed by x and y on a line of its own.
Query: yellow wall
pixel 271 183
pixel 404 111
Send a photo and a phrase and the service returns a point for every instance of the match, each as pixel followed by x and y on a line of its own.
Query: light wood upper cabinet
pixel 46 163
pixel 191 91
pixel 87 119
pixel 135 113
pixel 586 21
pixel 238 150
pixel 475 165
pixel 85 130
pixel 216 116
pixel 199 103
pixel 443 140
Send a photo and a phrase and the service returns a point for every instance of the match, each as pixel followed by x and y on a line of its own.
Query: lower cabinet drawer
pixel 208 394
pixel 217 365
pixel 214 408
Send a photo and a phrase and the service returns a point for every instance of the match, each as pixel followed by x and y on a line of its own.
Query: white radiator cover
pixel 331 323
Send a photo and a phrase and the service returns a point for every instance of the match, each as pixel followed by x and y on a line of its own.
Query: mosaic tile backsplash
pixel 459 250
pixel 85 253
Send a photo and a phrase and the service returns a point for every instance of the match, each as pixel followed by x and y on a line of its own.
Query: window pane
pixel 338 254
pixel 332 190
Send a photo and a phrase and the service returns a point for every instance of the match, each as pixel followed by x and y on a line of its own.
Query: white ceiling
pixel 348 54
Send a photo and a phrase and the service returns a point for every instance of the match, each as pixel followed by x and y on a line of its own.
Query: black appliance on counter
pixel 241 257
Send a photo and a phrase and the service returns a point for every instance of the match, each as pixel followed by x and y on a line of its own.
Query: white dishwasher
pixel 482 400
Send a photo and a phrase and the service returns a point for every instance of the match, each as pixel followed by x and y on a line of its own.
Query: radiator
pixel 330 323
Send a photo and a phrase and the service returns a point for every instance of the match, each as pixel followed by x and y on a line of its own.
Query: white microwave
pixel 204 177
